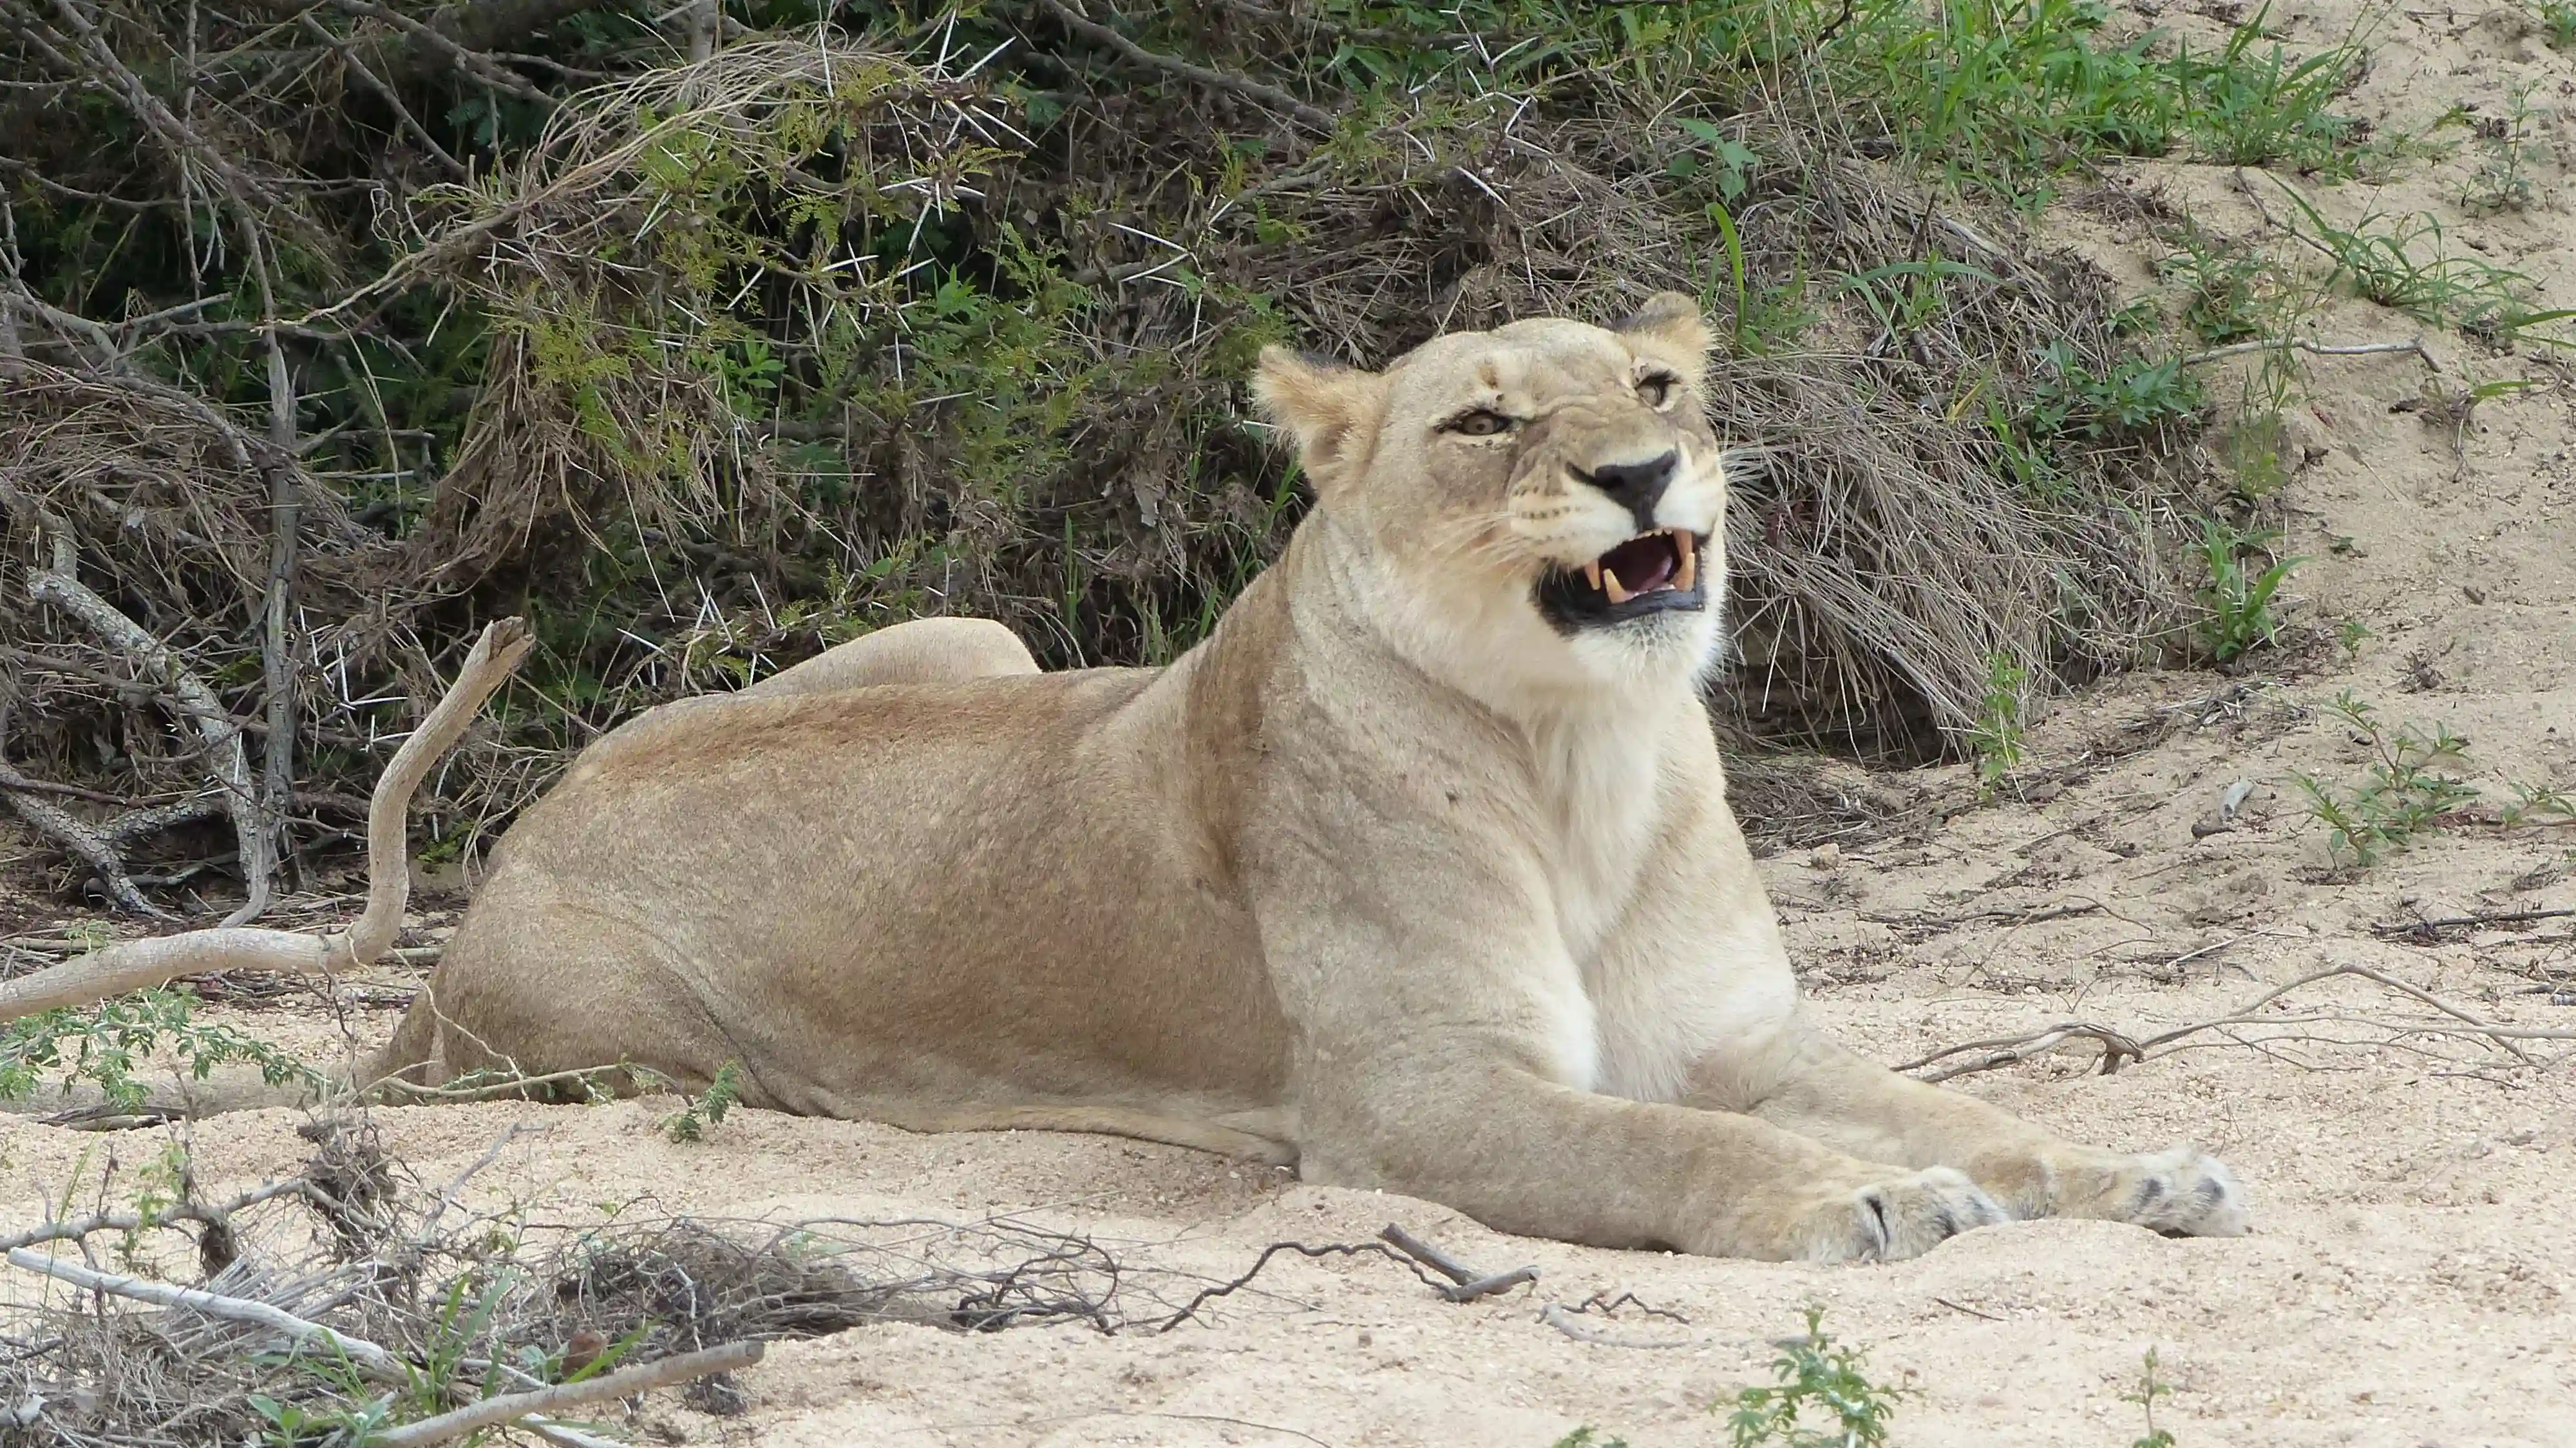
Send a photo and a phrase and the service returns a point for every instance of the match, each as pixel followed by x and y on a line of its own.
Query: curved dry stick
pixel 138 964
pixel 1557 1316
pixel 2013 1050
pixel 625 1382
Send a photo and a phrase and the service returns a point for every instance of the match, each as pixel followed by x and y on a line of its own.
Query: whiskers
pixel 1487 538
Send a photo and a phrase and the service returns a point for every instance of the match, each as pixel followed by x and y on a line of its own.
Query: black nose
pixel 1637 487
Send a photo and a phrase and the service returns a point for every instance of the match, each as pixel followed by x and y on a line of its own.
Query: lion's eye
pixel 1656 388
pixel 1483 422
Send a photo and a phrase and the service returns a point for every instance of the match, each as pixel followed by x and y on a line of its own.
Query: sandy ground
pixel 2409 1278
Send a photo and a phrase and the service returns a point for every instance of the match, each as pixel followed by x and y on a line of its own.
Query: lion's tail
pixel 139 964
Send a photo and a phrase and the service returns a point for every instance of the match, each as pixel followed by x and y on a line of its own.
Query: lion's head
pixel 1545 500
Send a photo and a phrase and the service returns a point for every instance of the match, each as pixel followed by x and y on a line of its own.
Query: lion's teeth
pixel 1592 574
pixel 1610 584
pixel 1686 577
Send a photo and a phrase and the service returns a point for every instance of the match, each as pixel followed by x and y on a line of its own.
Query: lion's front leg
pixel 1451 1058
pixel 1817 1088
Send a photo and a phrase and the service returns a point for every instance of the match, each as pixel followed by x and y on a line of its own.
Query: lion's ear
pixel 1670 329
pixel 1327 407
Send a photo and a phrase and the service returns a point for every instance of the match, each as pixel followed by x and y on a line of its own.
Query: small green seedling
pixel 2150 1388
pixel 105 1044
pixel 2238 598
pixel 1823 1398
pixel 1997 739
pixel 707 1109
pixel 2405 789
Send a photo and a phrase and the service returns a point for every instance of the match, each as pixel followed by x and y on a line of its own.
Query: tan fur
pixel 1389 875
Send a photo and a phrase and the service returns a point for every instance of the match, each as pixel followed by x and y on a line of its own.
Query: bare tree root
pixel 1468 1283
pixel 2248 1025
pixel 1996 1054
pixel 138 964
pixel 60 586
pixel 95 848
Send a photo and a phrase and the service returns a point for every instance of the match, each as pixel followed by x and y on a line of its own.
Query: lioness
pixel 1418 872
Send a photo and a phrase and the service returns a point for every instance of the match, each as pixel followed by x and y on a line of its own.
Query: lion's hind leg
pixel 924 651
pixel 540 998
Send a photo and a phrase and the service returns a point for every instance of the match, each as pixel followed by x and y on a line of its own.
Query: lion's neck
pixel 1594 752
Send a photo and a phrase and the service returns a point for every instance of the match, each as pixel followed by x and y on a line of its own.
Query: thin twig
pixel 1426 1254
pixel 2011 1050
pixel 2428 928
pixel 1556 1316
pixel 1329 1249
pixel 210 1214
pixel 2317 349
pixel 1993 1055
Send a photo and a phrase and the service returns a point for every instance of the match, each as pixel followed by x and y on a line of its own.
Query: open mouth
pixel 1651 573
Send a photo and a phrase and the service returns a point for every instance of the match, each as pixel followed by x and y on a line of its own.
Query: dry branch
pixel 1557 1316
pixel 371 1359
pixel 1468 1284
pixel 213 1214
pixel 94 847
pixel 2316 349
pixel 625 1382
pixel 2005 1051
pixel 137 964
pixel 60 586
pixel 2117 1047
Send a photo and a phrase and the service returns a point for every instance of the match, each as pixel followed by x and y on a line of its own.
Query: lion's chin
pixel 1650 574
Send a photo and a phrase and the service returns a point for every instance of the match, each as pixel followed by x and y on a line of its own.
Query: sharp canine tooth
pixel 1686 577
pixel 1592 573
pixel 1610 583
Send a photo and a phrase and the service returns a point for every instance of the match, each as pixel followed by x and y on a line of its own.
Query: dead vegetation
pixel 340 326
pixel 354 1302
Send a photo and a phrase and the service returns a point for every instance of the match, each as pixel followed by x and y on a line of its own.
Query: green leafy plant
pixel 104 1045
pixel 2407 786
pixel 1998 738
pixel 2405 264
pixel 2150 1388
pixel 2508 152
pixel 2237 612
pixel 2536 804
pixel 1822 1398
pixel 707 1109
pixel 2133 396
pixel 2250 107
pixel 2225 287
pixel 1584 1437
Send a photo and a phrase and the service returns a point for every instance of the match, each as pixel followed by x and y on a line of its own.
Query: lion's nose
pixel 1637 487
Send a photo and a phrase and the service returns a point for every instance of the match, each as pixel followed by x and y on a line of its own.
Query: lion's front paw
pixel 1904 1215
pixel 2182 1193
